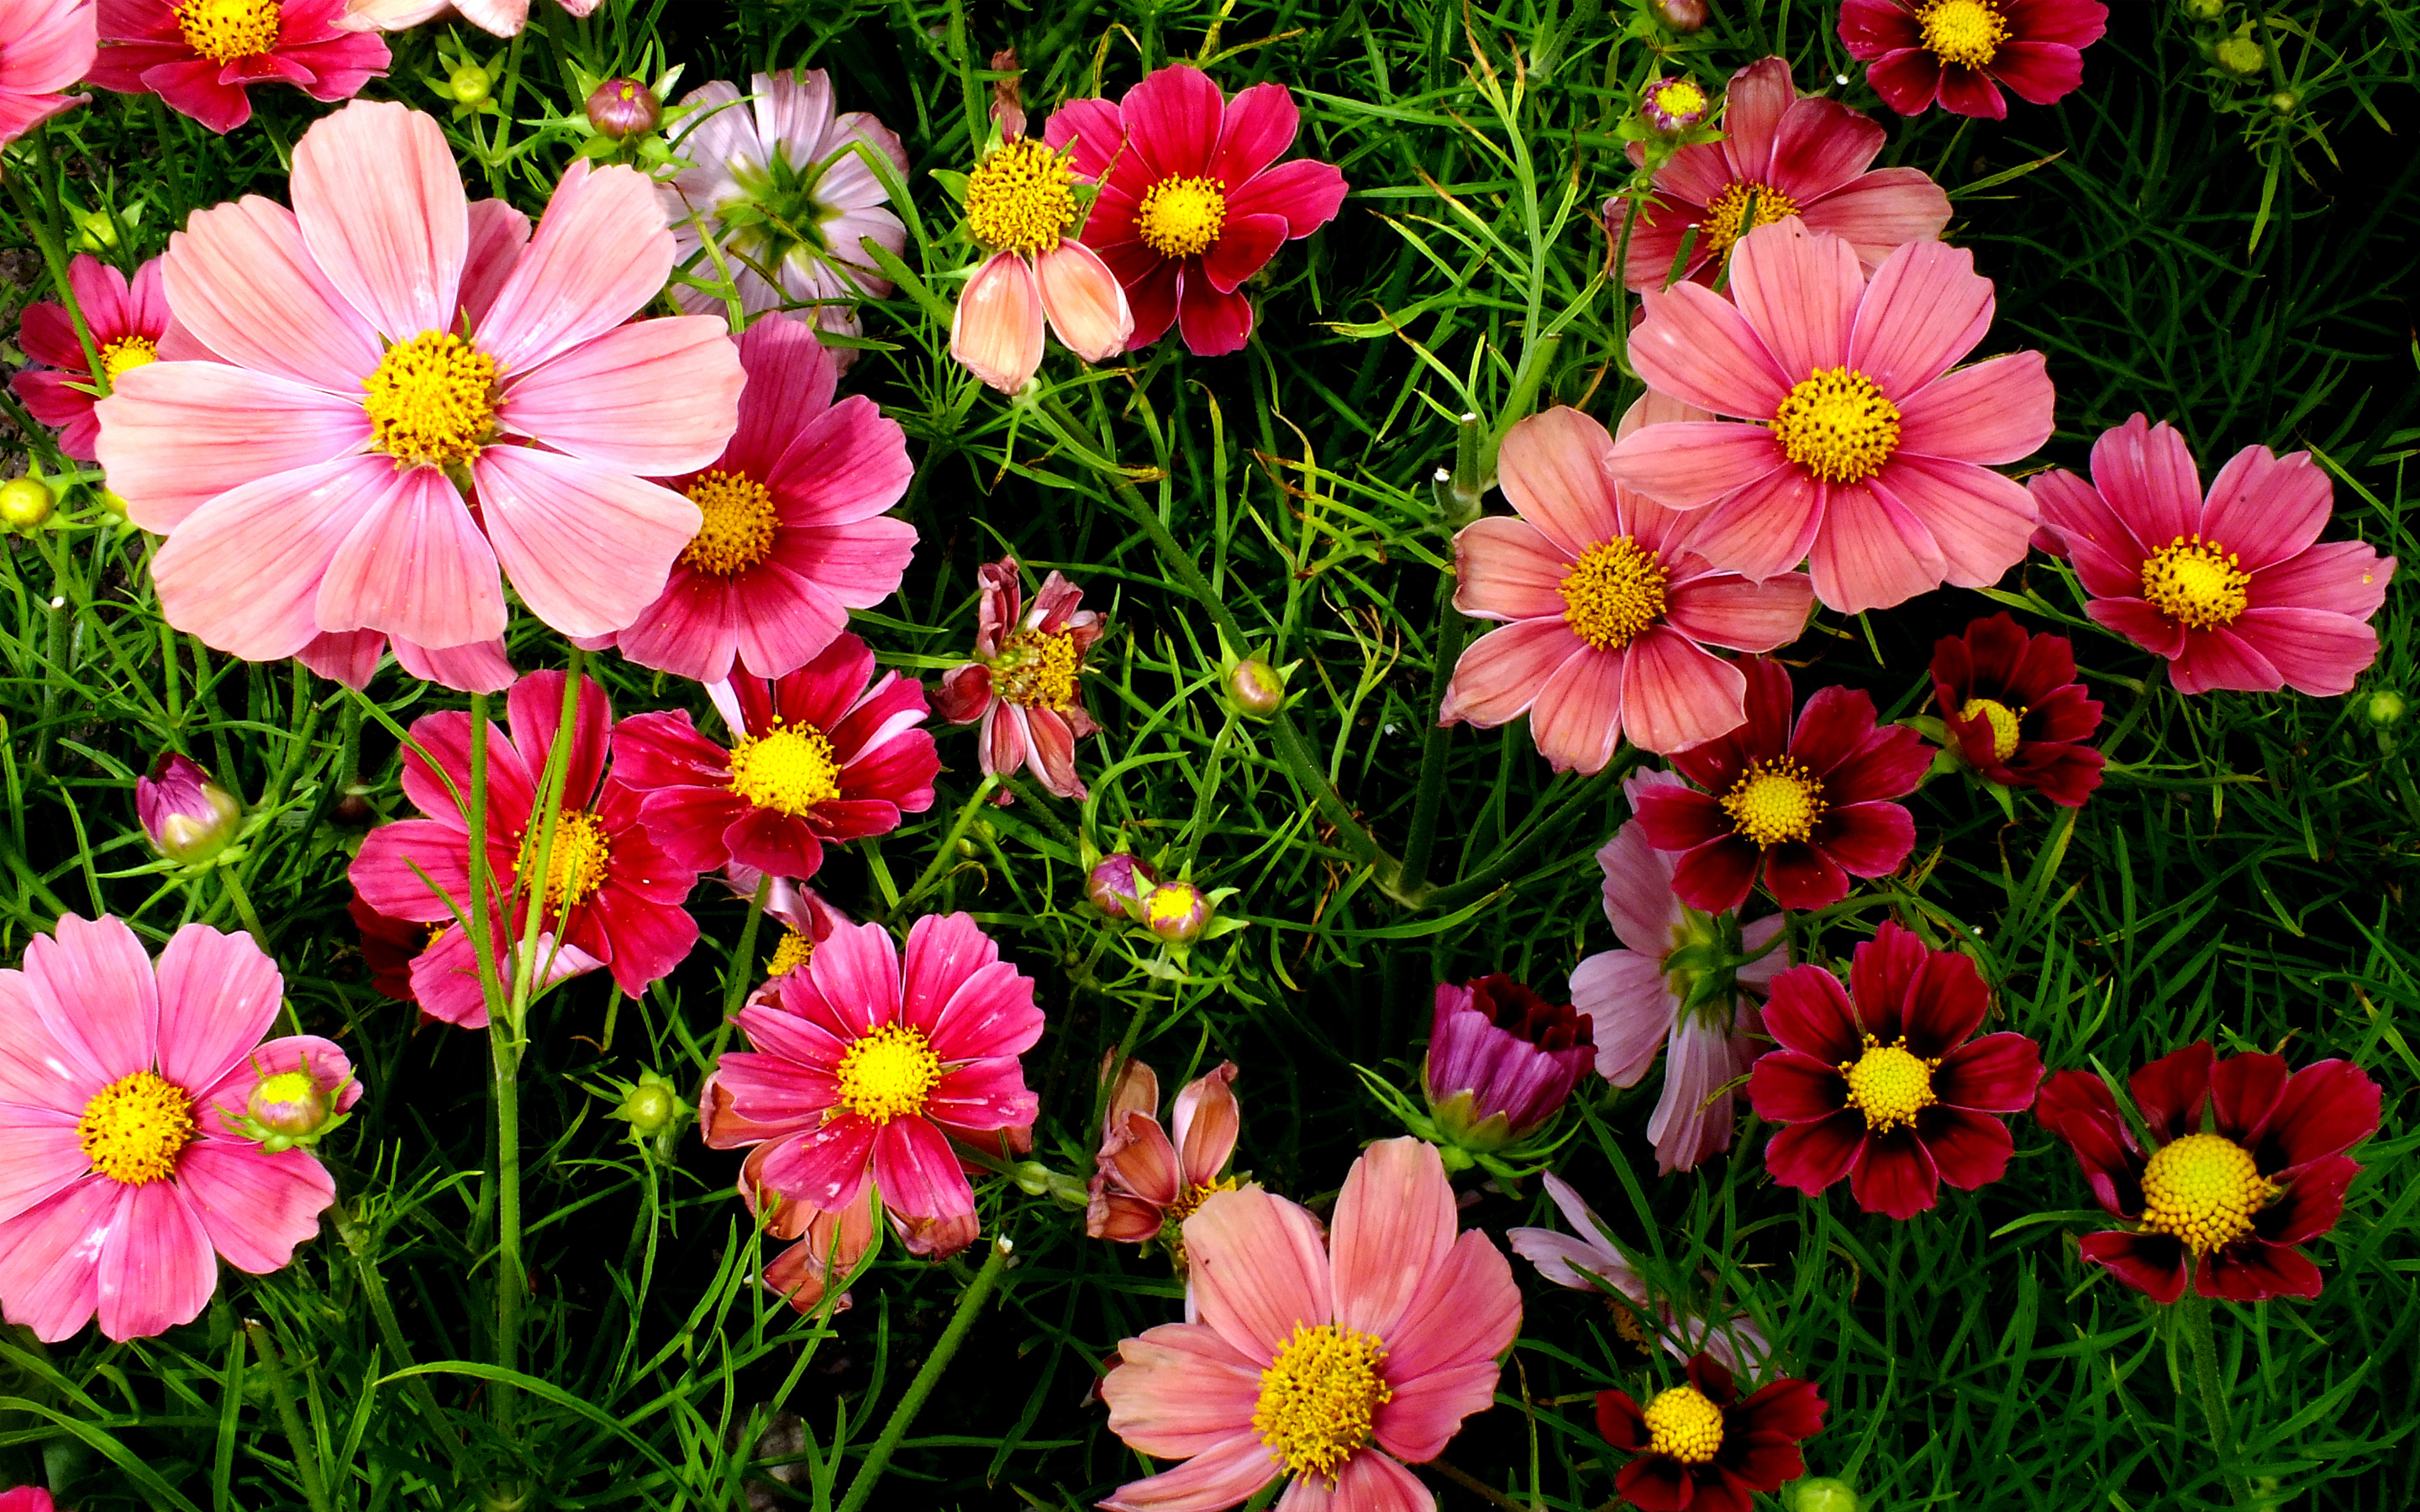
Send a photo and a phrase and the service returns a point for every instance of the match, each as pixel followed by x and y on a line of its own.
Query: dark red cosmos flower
pixel 202 56
pixel 1881 1085
pixel 1961 51
pixel 1702 1448
pixel 2234 1190
pixel 1809 800
pixel 1502 1060
pixel 2019 716
pixel 825 754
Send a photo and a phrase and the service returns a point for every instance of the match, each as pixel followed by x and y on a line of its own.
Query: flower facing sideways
pixel 2014 710
pixel 1502 1062
pixel 1586 1257
pixel 1025 685
pixel 203 56
pixel 188 817
pixel 1021 204
pixel 45 46
pixel 1962 52
pixel 1701 1447
pixel 1148 1178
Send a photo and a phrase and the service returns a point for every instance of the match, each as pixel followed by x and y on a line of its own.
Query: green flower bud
pixel 470 85
pixel 2386 709
pixel 2240 54
pixel 1821 1493
pixel 26 503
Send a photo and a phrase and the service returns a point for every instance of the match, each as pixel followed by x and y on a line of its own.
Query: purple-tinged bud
pixel 1673 105
pixel 188 817
pixel 624 108
pixel 292 1103
pixel 1682 16
pixel 1118 884
pixel 1176 911
pixel 1256 688
pixel 1502 1061
pixel 26 503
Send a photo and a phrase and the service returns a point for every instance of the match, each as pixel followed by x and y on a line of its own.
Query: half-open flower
pixel 1502 1061
pixel 1962 52
pixel 45 46
pixel 1584 1260
pixel 1701 1447
pixel 1147 1181
pixel 188 817
pixel 129 322
pixel 1020 204
pixel 2019 717
pixel 1025 684
pixel 202 56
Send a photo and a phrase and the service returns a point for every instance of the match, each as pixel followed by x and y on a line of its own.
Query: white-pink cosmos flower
pixel 397 352
pixel 499 18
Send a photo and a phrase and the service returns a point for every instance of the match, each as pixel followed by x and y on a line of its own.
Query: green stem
pixel 2202 1342
pixel 362 1245
pixel 1451 628
pixel 948 845
pixel 903 1416
pixel 55 257
pixel 307 1457
pixel 242 900
pixel 1446 898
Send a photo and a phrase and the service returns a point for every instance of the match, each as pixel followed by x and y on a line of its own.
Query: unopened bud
pixel 622 108
pixel 1821 1493
pixel 188 817
pixel 1673 105
pixel 26 503
pixel 2205 9
pixel 2386 709
pixel 1682 16
pixel 2285 102
pixel 2240 54
pixel 470 85
pixel 1176 911
pixel 1117 884
pixel 1256 688
pixel 95 230
pixel 650 1105
pixel 292 1103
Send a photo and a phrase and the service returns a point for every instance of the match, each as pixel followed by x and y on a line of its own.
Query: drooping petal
pixel 1083 301
pixel 2153 1264
pixel 995 332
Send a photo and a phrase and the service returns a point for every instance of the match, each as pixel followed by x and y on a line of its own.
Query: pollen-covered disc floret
pixel 739 526
pixel 2196 583
pixel 1741 208
pixel 1018 198
pixel 126 354
pixel 794 949
pixel 2004 722
pixel 1774 800
pixel 133 1129
pixel 1837 424
pixel 224 30
pixel 2203 1189
pixel 888 1073
pixel 1036 669
pixel 1967 33
pixel 1319 1396
pixel 1172 1221
pixel 431 401
pixel 575 864
pixel 1182 217
pixel 789 768
pixel 1890 1084
pixel 1685 1423
pixel 1614 593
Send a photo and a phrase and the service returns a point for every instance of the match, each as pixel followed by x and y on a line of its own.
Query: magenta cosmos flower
pixel 1782 154
pixel 45 46
pixel 2019 717
pixel 1608 607
pixel 795 536
pixel 608 890
pixel 2236 1191
pixel 1865 455
pixel 1587 1257
pixel 828 754
pixel 864 1070
pixel 120 1082
pixel 1026 681
pixel 130 325
pixel 1684 982
pixel 312 487
pixel 1502 1061
pixel 202 56
pixel 1147 1178
pixel 1335 1364
pixel 1808 801
pixel 1701 1447
pixel 498 17
pixel 2236 590
pixel 1884 1084
pixel 1193 200
pixel 1020 204
pixel 1960 53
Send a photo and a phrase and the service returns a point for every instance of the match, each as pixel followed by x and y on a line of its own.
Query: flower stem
pixel 903 1416
pixel 1411 878
pixel 281 1395
pixel 2202 1342
pixel 948 845
pixel 55 256
pixel 243 910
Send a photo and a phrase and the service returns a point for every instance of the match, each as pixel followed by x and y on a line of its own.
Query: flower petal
pixel 1552 468
pixel 1690 464
pixel 1798 289
pixel 243 284
pixel 1926 308
pixel 2153 1264
pixel 174 436
pixel 1180 1390
pixel 415 566
pixel 585 545
pixel 380 206
pixel 1257 1269
pixel 1211 1481
pixel 654 398
pixel 218 996
pixel 600 253
pixel 1695 345
pixel 155 1269
pixel 1628 1004
pixel 1394 1224
pixel 1894 1174
pixel 1994 411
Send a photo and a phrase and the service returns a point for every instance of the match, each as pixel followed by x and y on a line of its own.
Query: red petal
pixel 1618 1421
pixel 2152 1264
pixel 2312 1204
pixel 1831 728
pixel 1793 1409
pixel 1997 1073
pixel 1715 876
pixel 1894 1175
pixel 1888 766
pixel 1868 840
pixel 2076 1106
pixel 1804 877
pixel 1810 1014
pixel 1945 1004
pixel 1676 818
pixel 1656 1483
pixel 1968 1149
pixel 1813 1156
pixel 2169 1091
pixel 1788 1087
pixel 1713 1380
pixel 2242 1090
pixel 2329 1108
pixel 1882 972
pixel 2254 1270
pixel 1760 1463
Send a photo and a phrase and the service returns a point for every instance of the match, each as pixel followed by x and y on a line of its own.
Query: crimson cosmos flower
pixel 203 56
pixel 1024 682
pixel 2013 705
pixel 1808 800
pixel 130 324
pixel 1962 52
pixel 1882 1084
pixel 1702 1448
pixel 2236 1187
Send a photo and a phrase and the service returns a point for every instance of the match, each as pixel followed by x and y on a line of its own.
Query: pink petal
pixel 2342 576
pixel 1576 718
pixel 1393 1225
pixel 2215 659
pixel 1552 468
pixel 243 571
pixel 1689 464
pixel 1755 104
pixel 654 398
pixel 917 1172
pixel 1994 411
pixel 1726 610
pixel 1798 290
pixel 1981 522
pixel 1368 1482
pixel 1882 210
pixel 1208 1122
pixel 2140 623
pixel 1694 1117
pixel 2147 475
pixel 829 1166
pixel 1675 695
pixel 1624 997
pixel 1507 569
pixel 1503 673
pixel 45 1158
pixel 1820 146
pixel 1926 308
pixel 586 546
pixel 174 436
pixel 498 233
pixel 352 658
pixel 2265 508
pixel 1175 115
pixel 416 567
pixel 1257 1269
pixel 218 996
pixel 1244 245
pixel 1259 125
pixel 44 1062
pixel 103 1000
pixel 1212 323
pixel 1083 301
pixel 256 1205
pixel 1698 347
pixel 477 668
pixel 600 255
pixel 1871 553
pixel 49 1274
pixel 1211 1481
pixel 1180 1390
pixel 1464 1316
pixel 2105 554
pixel 381 208
pixel 1096 129
pixel 996 331
pixel 2317 651
pixel 2042 73
pixel 155 1269
pixel 1764 529
pixel 243 284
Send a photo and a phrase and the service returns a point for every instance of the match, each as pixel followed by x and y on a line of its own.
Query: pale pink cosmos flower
pixel 121 1083
pixel 498 17
pixel 2234 589
pixel 1638 997
pixel 1333 1363
pixel 387 338
pixel 352 658
pixel 1863 452
pixel 1587 1256
pixel 45 46
pixel 1608 605
pixel 1021 203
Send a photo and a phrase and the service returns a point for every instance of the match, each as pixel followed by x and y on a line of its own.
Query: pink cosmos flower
pixel 352 658
pixel 785 196
pixel 391 948
pixel 1962 52
pixel 202 56
pixel 310 489
pixel 130 325
pixel 807 920
pixel 1193 200
pixel 864 1070
pixel 1866 453
pixel 1336 1364
pixel 45 46
pixel 2234 589
pixel 1147 1179
pixel 1683 978
pixel 1789 155
pixel 795 536
pixel 1025 682
pixel 1608 605
pixel 609 890
pixel 1020 203
pixel 1587 1256
pixel 120 1082
pixel 498 17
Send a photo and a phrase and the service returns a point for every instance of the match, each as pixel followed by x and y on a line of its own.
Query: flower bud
pixel 1821 1493
pixel 2240 54
pixel 2205 9
pixel 624 108
pixel 1682 16
pixel 1673 105
pixel 650 1106
pixel 1502 1061
pixel 2385 709
pixel 1255 689
pixel 2285 102
pixel 470 85
pixel 1176 911
pixel 95 231
pixel 188 817
pixel 292 1104
pixel 1118 884
pixel 26 503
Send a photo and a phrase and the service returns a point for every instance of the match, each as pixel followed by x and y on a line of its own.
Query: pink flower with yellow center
pixel 1862 451
pixel 1025 684
pixel 122 1086
pixel 391 351
pixel 1021 203
pixel 202 56
pixel 1962 52
pixel 130 324
pixel 1332 1358
pixel 45 46
pixel 1148 1177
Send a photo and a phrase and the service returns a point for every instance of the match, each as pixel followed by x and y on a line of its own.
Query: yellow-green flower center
pixel 740 525
pixel 431 401
pixel 794 949
pixel 1171 1218
pixel 1837 425
pixel 1613 594
pixel 789 769
pixel 1967 33
pixel 575 864
pixel 2203 1189
pixel 133 1129
pixel 2196 583
pixel 1018 198
pixel 1890 1084
pixel 888 1073
pixel 1685 1423
pixel 1775 799
pixel 288 1087
pixel 224 30
pixel 1037 669
pixel 1170 903
pixel 128 353
pixel 1319 1396
pixel 2004 722
pixel 1729 218
pixel 1182 217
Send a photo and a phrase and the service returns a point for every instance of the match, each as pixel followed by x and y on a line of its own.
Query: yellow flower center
pixel 1775 799
pixel 1171 1218
pixel 224 30
pixel 1964 32
pixel 1685 1423
pixel 126 354
pixel 1018 199
pixel 575 865
pixel 888 1073
pixel 1036 669
pixel 789 769
pixel 1890 1084
pixel 1318 1398
pixel 2004 724
pixel 1728 217
pixel 1613 594
pixel 1182 217
pixel 1682 96
pixel 2196 583
pixel 2203 1189
pixel 1169 903
pixel 794 952
pixel 1837 425
pixel 431 401
pixel 741 520
pixel 133 1129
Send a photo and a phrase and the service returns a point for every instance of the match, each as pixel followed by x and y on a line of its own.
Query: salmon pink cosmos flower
pixel 2246 1163
pixel 2012 704
pixel 1146 1179
pixel 202 56
pixel 122 1085
pixel 1608 607
pixel 1782 154
pixel 45 46
pixel 1962 52
pixel 1193 200
pixel 1333 1363
pixel 1025 684
pixel 130 324
pixel 1700 1448
pixel 2234 589
pixel 397 351
pixel 1885 1084
pixel 1020 204
pixel 498 17
pixel 1867 453
pixel 1587 1257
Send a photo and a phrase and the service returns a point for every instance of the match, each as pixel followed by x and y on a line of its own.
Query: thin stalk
pixel 1411 880
pixel 55 257
pixel 2202 1342
pixel 281 1395
pixel 504 1081
pixel 903 1416
pixel 243 910
pixel 948 845
pixel 361 1244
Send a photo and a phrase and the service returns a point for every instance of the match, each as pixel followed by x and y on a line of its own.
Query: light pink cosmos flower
pixel 45 46
pixel 498 17
pixel 2236 590
pixel 1608 605
pixel 1864 454
pixel 1586 1256
pixel 120 1082
pixel 1638 998
pixel 311 487
pixel 1021 204
pixel 1334 1363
